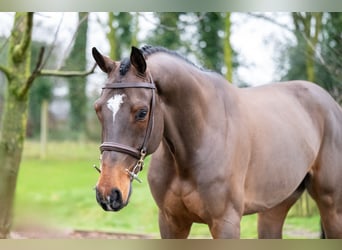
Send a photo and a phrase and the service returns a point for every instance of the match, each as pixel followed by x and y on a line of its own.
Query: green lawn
pixel 59 191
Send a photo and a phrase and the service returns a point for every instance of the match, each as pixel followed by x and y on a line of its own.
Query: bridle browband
pixel 138 153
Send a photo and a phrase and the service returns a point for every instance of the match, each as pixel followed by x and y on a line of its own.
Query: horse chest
pixel 183 199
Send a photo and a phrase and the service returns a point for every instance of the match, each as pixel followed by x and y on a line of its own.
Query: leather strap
pixel 112 146
pixel 150 124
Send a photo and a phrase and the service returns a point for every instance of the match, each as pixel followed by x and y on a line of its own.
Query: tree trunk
pixel 313 33
pixel 77 86
pixel 11 146
pixel 44 128
pixel 14 117
pixel 135 29
pixel 111 36
pixel 228 53
pixel 308 27
pixel 309 48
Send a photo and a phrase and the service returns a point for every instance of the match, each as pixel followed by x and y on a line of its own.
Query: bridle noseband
pixel 138 153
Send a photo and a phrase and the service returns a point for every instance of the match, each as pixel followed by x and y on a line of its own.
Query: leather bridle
pixel 138 153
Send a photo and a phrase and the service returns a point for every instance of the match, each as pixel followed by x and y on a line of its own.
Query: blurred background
pixel 55 182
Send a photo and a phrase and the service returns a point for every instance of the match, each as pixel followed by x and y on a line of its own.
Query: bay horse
pixel 219 151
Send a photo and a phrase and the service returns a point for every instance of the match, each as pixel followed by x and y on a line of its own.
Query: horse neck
pixel 185 93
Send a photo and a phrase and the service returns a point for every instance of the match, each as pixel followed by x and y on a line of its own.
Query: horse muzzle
pixel 112 202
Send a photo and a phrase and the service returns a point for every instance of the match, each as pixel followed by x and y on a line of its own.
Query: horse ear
pixel 105 63
pixel 137 60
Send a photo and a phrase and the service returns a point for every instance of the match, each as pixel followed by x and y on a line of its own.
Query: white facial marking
pixel 114 104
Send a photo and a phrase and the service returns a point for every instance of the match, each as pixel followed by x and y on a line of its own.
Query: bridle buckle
pixel 138 167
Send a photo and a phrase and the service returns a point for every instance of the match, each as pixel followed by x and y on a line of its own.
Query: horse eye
pixel 141 114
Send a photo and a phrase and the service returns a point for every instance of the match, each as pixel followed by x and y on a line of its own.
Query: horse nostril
pixel 100 200
pixel 115 199
pixel 112 202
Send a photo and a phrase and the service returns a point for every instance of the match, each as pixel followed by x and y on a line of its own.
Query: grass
pixel 59 191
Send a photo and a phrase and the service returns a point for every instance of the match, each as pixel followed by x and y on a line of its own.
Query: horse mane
pixel 148 50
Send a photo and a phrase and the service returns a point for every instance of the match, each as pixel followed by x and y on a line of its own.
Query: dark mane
pixel 149 50
pixel 124 66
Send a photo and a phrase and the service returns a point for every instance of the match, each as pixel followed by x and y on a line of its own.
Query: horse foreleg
pixel 225 229
pixel 270 222
pixel 226 226
pixel 173 228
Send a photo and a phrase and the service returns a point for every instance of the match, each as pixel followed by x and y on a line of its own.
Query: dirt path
pixel 39 231
pixel 74 234
pixel 296 233
pixel 80 234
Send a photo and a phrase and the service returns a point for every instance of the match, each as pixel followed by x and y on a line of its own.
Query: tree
pixel 316 54
pixel 301 56
pixel 209 32
pixel 307 28
pixel 167 32
pixel 14 117
pixel 214 30
pixel 135 29
pixel 298 60
pixel 227 48
pixel 329 55
pixel 39 97
pixel 122 27
pixel 111 36
pixel 211 25
pixel 77 87
pixel 40 91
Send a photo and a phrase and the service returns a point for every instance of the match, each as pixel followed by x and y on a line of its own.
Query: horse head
pixel 132 124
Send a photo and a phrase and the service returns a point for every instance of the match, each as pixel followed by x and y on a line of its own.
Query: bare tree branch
pixel 271 20
pixel 38 71
pixel 47 72
pixel 35 73
pixel 52 46
pixel 72 40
